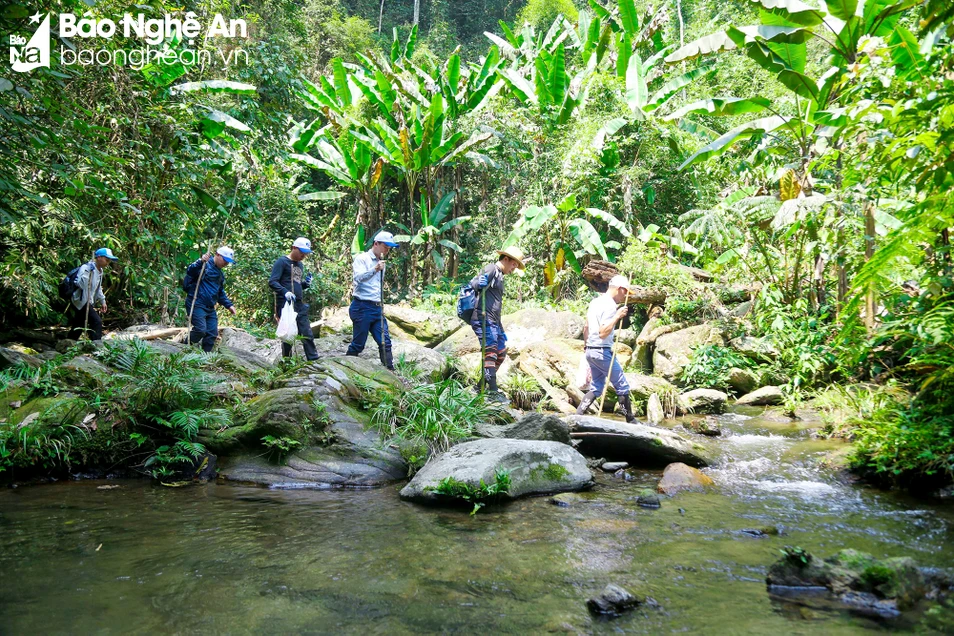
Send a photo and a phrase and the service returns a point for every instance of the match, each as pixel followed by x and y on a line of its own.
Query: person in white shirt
pixel 89 290
pixel 367 310
pixel 601 318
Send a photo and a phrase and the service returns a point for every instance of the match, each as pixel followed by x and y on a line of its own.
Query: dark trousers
pixel 495 351
pixel 304 332
pixel 367 316
pixel 94 326
pixel 205 327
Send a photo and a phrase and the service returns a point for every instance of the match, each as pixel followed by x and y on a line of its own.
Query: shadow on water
pixel 143 558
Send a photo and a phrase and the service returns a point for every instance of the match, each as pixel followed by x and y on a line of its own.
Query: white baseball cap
pixel 227 254
pixel 303 244
pixel 619 281
pixel 387 238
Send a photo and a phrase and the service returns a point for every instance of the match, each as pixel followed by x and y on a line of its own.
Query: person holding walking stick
pixel 485 321
pixel 205 288
pixel 601 318
pixel 89 289
pixel 367 303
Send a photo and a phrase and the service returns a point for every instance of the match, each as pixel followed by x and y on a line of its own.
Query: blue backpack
pixel 466 303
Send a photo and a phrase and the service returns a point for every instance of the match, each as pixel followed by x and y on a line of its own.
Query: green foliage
pixel 540 14
pixel 799 557
pixel 438 415
pixel 524 392
pixel 480 495
pixel 709 367
pixel 279 448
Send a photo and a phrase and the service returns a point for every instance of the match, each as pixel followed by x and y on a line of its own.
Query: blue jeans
pixel 366 316
pixel 205 327
pixel 599 361
pixel 496 345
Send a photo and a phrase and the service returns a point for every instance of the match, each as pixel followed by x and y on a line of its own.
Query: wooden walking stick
pixel 89 299
pixel 609 374
pixel 381 350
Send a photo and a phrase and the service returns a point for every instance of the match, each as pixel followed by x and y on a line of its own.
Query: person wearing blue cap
pixel 289 284
pixel 205 288
pixel 367 303
pixel 89 290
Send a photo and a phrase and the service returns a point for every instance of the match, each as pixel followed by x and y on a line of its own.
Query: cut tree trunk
pixel 599 273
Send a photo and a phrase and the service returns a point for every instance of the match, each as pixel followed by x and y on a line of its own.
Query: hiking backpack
pixel 68 284
pixel 466 303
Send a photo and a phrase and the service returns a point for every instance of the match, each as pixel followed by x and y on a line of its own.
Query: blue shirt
pixel 367 281
pixel 211 287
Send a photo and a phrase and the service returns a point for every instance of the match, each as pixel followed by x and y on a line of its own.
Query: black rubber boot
pixel 627 405
pixel 586 402
pixel 490 380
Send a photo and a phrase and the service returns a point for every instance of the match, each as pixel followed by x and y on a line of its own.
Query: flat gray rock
pixel 535 467
pixel 766 396
pixel 640 445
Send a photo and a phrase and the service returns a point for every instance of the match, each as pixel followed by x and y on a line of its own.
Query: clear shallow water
pixel 142 558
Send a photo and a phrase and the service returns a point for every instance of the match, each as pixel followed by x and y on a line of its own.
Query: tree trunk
pixel 869 252
pixel 417 11
pixel 380 16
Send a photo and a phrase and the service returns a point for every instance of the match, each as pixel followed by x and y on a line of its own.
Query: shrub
pixel 709 367
pixel 479 496
pixel 524 392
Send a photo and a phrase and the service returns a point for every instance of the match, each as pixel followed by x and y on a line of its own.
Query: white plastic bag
pixel 584 377
pixel 288 324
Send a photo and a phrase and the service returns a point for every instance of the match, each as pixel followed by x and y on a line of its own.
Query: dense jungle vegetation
pixel 803 150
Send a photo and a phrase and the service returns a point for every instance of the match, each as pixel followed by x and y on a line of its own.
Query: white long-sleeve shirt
pixel 89 281
pixel 367 282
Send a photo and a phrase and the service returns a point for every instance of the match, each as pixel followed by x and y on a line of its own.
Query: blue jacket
pixel 211 288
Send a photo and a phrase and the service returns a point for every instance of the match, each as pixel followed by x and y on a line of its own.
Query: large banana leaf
pixel 664 94
pixel 530 219
pixel 587 236
pixel 520 86
pixel 637 90
pixel 722 106
pixel 746 130
pixel 558 82
pixel 611 220
pixel 606 130
pixel 628 17
pixel 795 11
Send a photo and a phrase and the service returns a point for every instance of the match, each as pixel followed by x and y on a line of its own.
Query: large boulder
pixel 534 467
pixel 758 349
pixel 673 349
pixel 523 328
pixel 678 477
pixel 532 426
pixel 335 321
pixel 703 401
pixel 318 409
pixel 432 365
pixel 420 326
pixel 766 396
pixel 742 381
pixel 268 349
pixel 883 587
pixel 10 357
pixel 637 444
pixel 83 372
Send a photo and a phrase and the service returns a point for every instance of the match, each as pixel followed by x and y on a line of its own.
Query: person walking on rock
pixel 205 288
pixel 367 303
pixel 89 290
pixel 289 284
pixel 601 318
pixel 489 285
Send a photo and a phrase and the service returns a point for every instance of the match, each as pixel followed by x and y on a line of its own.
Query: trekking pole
pixel 381 342
pixel 89 299
pixel 198 281
pixel 482 382
pixel 609 374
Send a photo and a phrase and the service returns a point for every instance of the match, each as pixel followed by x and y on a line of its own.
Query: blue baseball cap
pixel 303 244
pixel 105 251
pixel 387 238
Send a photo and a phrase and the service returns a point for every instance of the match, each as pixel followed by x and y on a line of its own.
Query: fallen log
pixel 700 275
pixel 598 274
pixel 157 334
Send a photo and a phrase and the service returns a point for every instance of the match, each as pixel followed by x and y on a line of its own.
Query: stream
pixel 78 557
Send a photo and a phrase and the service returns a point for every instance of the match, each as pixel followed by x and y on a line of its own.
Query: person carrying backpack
pixel 289 284
pixel 489 285
pixel 88 289
pixel 208 275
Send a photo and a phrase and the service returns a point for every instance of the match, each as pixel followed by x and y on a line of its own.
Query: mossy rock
pixel 11 400
pixel 286 412
pixel 83 373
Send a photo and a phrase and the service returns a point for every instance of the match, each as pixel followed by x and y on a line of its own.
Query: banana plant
pixel 778 44
pixel 569 234
pixel 348 162
pixel 435 226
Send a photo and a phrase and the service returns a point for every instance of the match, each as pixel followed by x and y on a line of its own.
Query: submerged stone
pixel 679 477
pixel 612 602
